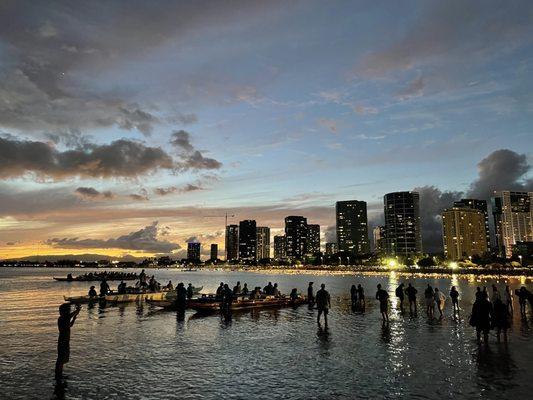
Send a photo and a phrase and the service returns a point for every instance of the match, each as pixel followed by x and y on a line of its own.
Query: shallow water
pixel 139 352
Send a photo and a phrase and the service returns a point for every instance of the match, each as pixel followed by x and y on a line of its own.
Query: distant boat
pixel 83 299
pixel 98 278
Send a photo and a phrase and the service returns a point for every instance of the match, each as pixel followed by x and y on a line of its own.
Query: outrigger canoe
pixel 133 297
pixel 209 304
pixel 83 299
pixel 94 278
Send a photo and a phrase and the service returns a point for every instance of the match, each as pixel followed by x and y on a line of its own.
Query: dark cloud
pixel 121 159
pixel 191 157
pixel 454 29
pixel 501 170
pixel 433 201
pixel 144 239
pixel 141 196
pixel 93 194
pixel 330 234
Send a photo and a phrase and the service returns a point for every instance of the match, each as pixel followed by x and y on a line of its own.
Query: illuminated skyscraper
pixel 402 224
pixel 480 205
pixel 331 248
pixel 513 219
pixel 280 247
pixel 352 226
pixel 313 239
pixel 296 236
pixel 232 242
pixel 463 233
pixel 193 251
pixel 247 240
pixel 263 242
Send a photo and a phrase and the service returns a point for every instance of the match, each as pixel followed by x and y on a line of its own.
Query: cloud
pixel 121 158
pixel 330 234
pixel 141 196
pixel 144 240
pixel 414 89
pixel 174 189
pixel 191 157
pixel 501 170
pixel 451 30
pixel 90 193
pixel 433 201
pixel 364 110
pixel 329 124
pixel 186 119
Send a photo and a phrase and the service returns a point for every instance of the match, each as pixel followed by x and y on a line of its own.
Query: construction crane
pixel 226 215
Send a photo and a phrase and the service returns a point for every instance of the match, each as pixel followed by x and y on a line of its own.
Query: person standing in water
pixel 310 294
pixel 383 298
pixel 64 323
pixel 411 296
pixel 353 295
pixel 509 300
pixel 481 317
pixel 104 287
pixel 429 296
pixel 361 296
pixel 440 299
pixel 323 303
pixel 401 295
pixel 454 295
pixel 500 319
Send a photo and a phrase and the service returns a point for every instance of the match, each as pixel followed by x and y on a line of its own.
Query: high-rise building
pixel 214 251
pixel 480 205
pixel 247 240
pixel 331 248
pixel 232 242
pixel 296 236
pixel 193 251
pixel 513 219
pixel 463 233
pixel 313 239
pixel 352 226
pixel 379 238
pixel 280 247
pixel 402 224
pixel 263 242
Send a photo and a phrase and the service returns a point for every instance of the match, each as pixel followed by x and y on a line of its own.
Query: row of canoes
pixel 167 295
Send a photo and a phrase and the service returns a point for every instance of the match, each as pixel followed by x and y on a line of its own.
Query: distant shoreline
pixel 334 270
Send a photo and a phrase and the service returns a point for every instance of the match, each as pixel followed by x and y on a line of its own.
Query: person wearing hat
pixel 323 303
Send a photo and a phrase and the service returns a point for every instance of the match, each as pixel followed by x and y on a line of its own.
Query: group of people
pixel 97 276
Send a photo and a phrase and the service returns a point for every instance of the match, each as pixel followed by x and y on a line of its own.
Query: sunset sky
pixel 130 127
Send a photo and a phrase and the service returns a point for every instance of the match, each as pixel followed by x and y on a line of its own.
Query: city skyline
pixel 141 136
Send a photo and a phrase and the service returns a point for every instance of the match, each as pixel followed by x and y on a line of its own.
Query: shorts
pixel 323 310
pixel 63 352
pixel 383 306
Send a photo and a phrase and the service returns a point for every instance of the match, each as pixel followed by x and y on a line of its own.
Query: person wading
pixel 323 303
pixel 64 323
pixel 383 298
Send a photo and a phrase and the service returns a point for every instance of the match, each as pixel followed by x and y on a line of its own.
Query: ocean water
pixel 136 351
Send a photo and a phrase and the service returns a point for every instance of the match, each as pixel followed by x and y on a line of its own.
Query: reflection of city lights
pixel 392 263
pixel 454 265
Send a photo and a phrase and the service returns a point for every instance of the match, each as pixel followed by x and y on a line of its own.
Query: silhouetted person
pixel 69 277
pixel 454 295
pixel 268 289
pixel 361 296
pixel 220 291
pixel 522 294
pixel 310 294
pixel 190 291
pixel 275 290
pixel 479 293
pixel 92 292
pixel 500 319
pixel 64 323
pixel 383 298
pixel 181 300
pixel 411 296
pixel 401 295
pixel 495 294
pixel 142 279
pixel 481 317
pixel 170 286
pixel 430 301
pixel 121 289
pixel 294 295
pixel 245 289
pixel 353 295
pixel 509 300
pixel 440 299
pixel 104 287
pixel 323 303
pixel 237 288
pixel 227 299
